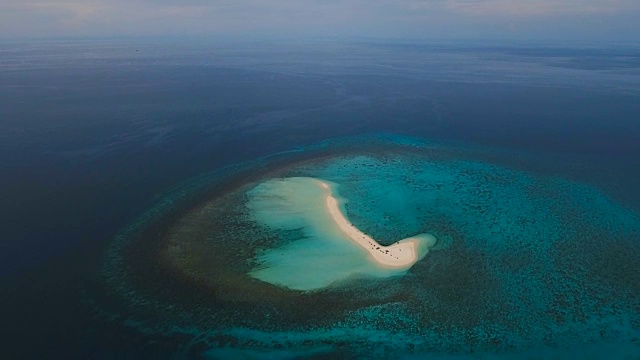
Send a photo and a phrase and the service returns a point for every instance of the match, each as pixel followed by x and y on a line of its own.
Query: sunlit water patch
pixel 524 263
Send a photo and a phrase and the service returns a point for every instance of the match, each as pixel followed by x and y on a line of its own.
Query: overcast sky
pixel 615 20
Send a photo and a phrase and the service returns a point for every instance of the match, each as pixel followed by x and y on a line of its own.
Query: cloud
pixel 321 17
pixel 527 8
pixel 72 13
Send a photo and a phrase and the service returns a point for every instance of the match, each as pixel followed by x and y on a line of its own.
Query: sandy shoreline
pixel 402 254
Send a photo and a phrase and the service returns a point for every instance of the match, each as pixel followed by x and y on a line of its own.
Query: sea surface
pixel 100 137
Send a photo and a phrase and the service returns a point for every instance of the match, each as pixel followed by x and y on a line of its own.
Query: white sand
pixel 402 254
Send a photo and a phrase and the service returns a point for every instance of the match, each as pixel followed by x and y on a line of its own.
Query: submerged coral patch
pixel 251 261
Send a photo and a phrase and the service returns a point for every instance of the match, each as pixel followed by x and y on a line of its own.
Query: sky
pixel 608 20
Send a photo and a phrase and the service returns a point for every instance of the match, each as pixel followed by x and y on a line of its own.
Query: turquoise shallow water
pixel 323 255
pixel 526 264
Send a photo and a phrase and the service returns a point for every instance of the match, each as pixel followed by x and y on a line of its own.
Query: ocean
pixel 104 140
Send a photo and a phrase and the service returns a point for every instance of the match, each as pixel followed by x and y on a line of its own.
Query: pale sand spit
pixel 402 254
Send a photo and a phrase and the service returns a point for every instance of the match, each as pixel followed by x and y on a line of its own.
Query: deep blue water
pixel 93 133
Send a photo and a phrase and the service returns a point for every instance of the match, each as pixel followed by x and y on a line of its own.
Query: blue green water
pixel 323 255
pixel 126 231
pixel 525 264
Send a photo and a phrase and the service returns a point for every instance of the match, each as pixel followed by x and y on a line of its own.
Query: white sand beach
pixel 402 254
